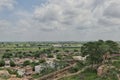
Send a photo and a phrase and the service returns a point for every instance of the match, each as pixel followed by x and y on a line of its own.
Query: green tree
pixel 12 64
pixel 27 62
pixel 2 63
pixel 7 55
pixel 50 56
pixel 59 56
pixel 41 61
pixel 36 55
pixel 113 46
pixel 97 49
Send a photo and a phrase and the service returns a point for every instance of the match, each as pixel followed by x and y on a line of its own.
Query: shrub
pixel 2 63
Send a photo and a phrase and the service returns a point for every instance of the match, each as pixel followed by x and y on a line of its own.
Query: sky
pixel 59 20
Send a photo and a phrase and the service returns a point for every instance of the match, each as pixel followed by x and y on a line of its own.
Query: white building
pixel 50 62
pixel 21 72
pixel 7 63
pixel 38 68
pixel 80 58
pixel 57 45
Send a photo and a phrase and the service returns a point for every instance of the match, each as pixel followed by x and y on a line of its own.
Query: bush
pixel 59 56
pixel 27 62
pixel 74 69
pixel 50 56
pixel 2 63
pixel 11 71
pixel 7 55
pixel 41 61
pixel 12 64
pixel 37 75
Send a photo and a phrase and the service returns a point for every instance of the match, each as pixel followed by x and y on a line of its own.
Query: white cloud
pixel 70 20
pixel 64 14
pixel 9 4
pixel 4 25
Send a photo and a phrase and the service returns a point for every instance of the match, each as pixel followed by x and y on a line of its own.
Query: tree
pixel 59 56
pixel 74 69
pixel 41 61
pixel 97 49
pixel 2 63
pixel 56 51
pixel 12 64
pixel 27 62
pixel 7 55
pixel 113 46
pixel 50 56
pixel 36 55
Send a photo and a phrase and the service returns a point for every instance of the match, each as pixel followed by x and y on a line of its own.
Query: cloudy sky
pixel 59 20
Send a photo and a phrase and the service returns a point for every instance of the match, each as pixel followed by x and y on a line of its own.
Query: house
pixel 79 58
pixel 43 56
pixel 7 63
pixel 28 70
pixel 21 72
pixel 38 68
pixel 57 45
pixel 18 61
pixel 50 63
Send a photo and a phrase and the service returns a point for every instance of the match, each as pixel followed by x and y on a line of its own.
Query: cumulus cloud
pixel 64 14
pixel 7 4
pixel 69 20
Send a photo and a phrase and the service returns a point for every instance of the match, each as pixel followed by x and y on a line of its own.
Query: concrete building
pixel 21 72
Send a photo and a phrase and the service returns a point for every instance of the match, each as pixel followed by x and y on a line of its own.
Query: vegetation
pixel 54 56
pixel 90 74
pixel 2 63
pixel 12 64
pixel 27 62
pixel 96 50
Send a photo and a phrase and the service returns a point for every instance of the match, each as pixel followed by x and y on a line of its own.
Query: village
pixel 14 66
pixel 55 61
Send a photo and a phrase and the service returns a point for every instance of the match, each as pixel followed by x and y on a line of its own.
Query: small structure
pixel 43 56
pixel 7 63
pixel 51 62
pixel 28 70
pixel 18 61
pixel 38 68
pixel 21 72
pixel 106 57
pixel 57 45
pixel 79 58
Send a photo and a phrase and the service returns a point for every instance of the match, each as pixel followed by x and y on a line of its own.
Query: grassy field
pixel 16 47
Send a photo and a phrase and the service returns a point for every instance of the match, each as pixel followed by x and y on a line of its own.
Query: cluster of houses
pixel 27 71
